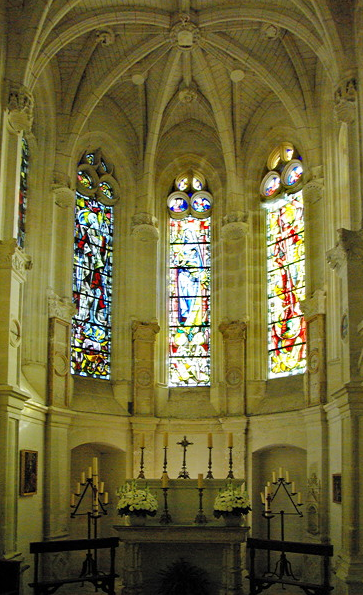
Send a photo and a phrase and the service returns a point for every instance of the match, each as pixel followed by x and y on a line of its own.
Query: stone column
pixel 314 313
pixel 234 359
pixel 143 347
pixel 347 260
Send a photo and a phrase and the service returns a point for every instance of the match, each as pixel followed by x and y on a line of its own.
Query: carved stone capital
pixel 345 100
pixel 20 108
pixel 105 36
pixel 234 330
pixel 12 257
pixel 145 331
pixel 61 308
pixel 348 248
pixel 315 305
pixel 144 227
pixel 313 190
pixel 64 196
pixel 234 225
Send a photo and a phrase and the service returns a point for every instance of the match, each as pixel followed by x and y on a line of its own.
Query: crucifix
pixel 184 473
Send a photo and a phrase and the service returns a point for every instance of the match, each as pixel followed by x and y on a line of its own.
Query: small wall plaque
pixel 28 472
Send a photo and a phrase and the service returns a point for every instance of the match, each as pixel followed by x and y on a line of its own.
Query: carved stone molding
pixel 20 108
pixel 234 330
pixel 105 36
pixel 12 257
pixel 145 331
pixel 315 305
pixel 144 227
pixel 348 248
pixel 313 191
pixel 60 307
pixel 64 196
pixel 345 100
pixel 234 225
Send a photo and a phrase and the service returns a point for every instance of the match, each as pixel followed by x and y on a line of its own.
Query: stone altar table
pixel 149 549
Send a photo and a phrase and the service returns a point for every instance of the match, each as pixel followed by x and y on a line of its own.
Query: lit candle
pixel 299 501
pixel 210 440
pixel 293 487
pixel 72 500
pixel 268 484
pixel 200 480
pixel 83 478
pixel 273 476
pixel 262 497
pixel 166 439
pixel 95 466
pixel 287 475
pixel 164 480
pixel 78 489
pixel 267 492
pixel 105 498
pixel 230 440
pixel 280 473
pixel 102 487
pixel 142 441
pixel 89 474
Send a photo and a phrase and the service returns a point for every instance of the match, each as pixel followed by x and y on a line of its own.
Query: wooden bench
pixel 284 577
pixel 100 580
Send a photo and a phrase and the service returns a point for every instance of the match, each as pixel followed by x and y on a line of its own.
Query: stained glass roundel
pixel 270 185
pixel 201 204
pixel 87 179
pixel 178 205
pixel 292 174
pixel 182 182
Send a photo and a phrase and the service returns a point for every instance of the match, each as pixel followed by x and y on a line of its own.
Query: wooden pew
pixel 100 580
pixel 259 584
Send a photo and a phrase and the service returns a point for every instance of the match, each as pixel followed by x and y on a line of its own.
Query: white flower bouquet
pixel 232 501
pixel 136 501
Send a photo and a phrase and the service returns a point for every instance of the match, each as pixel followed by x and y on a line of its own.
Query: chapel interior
pixel 181 250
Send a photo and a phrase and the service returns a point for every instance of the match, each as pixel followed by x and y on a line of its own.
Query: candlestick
pixel 209 474
pixel 230 472
pixel 164 480
pixel 210 439
pixel 200 519
pixel 165 518
pixel 141 472
pixel 200 480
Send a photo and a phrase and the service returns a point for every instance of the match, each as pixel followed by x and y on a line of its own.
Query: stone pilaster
pixel 314 313
pixel 143 347
pixel 234 362
pixel 347 260
pixel 60 311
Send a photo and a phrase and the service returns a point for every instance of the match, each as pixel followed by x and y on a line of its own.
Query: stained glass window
pixel 24 165
pixel 92 272
pixel 285 269
pixel 189 303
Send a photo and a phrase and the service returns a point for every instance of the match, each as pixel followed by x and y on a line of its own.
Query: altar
pixel 218 550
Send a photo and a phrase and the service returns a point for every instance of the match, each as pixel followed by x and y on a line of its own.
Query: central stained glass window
pixel 189 301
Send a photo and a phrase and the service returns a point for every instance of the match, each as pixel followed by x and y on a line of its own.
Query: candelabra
pixel 184 473
pixel 91 484
pixel 283 566
pixel 230 472
pixel 200 519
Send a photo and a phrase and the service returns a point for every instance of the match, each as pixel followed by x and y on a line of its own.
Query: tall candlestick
pixel 230 440
pixel 200 480
pixel 166 439
pixel 95 466
pixel 210 440
pixel 164 480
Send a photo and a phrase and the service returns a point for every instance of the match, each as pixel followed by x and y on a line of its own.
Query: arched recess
pixel 264 461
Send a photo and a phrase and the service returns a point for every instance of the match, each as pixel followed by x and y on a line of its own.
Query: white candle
pixel 262 497
pixel 95 466
pixel 210 440
pixel 230 440
pixel 200 480
pixel 105 498
pixel 299 501
pixel 142 441
pixel 72 500
pixel 287 476
pixel 293 487
pixel 89 474
pixel 267 492
pixel 78 489
pixel 166 439
pixel 102 487
pixel 83 478
pixel 164 480
pixel 280 473
pixel 273 476
pixel 268 484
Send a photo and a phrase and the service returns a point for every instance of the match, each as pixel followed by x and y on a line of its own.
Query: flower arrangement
pixel 231 501
pixel 136 501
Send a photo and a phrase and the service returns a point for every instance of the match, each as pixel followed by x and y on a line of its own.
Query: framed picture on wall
pixel 28 472
pixel 337 488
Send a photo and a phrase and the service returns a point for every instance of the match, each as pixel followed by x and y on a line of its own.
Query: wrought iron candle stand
pixel 209 474
pixel 283 565
pixel 230 472
pixel 165 518
pixel 200 519
pixel 89 566
pixel 141 472
pixel 184 473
